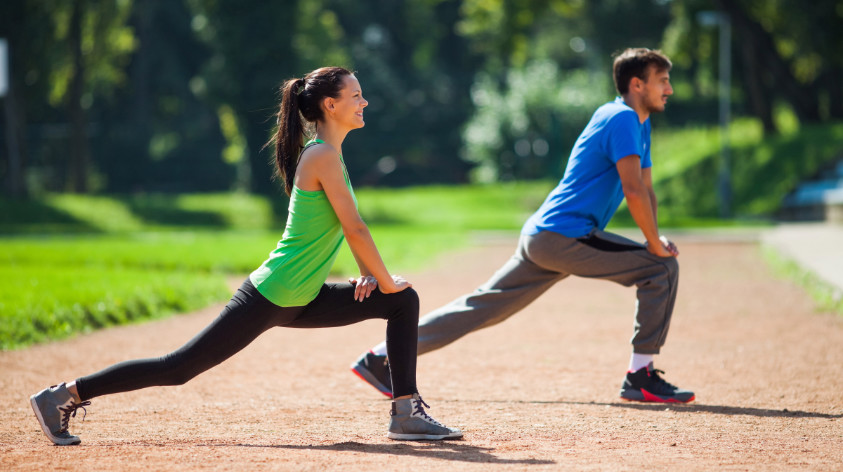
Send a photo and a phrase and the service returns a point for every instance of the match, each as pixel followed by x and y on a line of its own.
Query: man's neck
pixel 634 102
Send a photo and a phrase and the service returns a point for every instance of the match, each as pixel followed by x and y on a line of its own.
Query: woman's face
pixel 348 108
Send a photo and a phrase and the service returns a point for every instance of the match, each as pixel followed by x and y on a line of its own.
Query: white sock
pixel 638 361
pixel 380 349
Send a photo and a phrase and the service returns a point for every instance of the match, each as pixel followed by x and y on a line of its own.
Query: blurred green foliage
pixel 178 96
pixel 69 213
pixel 141 256
pixel 764 170
pixel 153 114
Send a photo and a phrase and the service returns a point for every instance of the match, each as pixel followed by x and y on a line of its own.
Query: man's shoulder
pixel 616 109
pixel 613 115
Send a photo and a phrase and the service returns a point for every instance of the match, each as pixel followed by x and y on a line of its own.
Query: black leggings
pixel 249 314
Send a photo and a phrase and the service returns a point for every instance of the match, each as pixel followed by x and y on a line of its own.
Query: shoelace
pixel 70 410
pixel 420 411
pixel 662 383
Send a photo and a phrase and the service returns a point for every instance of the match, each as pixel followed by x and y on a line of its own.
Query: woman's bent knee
pixel 406 302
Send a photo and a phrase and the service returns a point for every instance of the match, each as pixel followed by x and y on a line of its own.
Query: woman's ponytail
pixel 300 106
pixel 288 137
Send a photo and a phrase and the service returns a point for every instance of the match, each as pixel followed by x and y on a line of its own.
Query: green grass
pixel 41 302
pixel 71 263
pixel 827 297
pixel 143 257
pixel 764 169
pixel 68 213
pixel 207 251
pixel 465 207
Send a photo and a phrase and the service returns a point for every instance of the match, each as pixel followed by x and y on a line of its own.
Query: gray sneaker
pixel 409 421
pixel 53 407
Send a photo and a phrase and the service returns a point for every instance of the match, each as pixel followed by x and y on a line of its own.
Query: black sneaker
pixel 645 385
pixel 374 369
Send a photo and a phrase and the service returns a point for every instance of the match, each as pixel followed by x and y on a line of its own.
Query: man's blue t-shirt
pixel 590 192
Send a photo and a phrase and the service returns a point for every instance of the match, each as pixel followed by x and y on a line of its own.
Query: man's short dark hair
pixel 634 62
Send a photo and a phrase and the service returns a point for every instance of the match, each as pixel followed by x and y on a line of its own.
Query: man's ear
pixel 635 83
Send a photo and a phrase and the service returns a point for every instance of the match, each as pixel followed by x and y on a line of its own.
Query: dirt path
pixel 538 392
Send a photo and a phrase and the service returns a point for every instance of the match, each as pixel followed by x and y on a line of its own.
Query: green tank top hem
pixel 300 264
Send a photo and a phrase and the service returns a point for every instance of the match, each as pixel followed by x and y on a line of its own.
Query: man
pixel 610 161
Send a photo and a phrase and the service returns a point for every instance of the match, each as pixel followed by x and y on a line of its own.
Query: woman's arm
pixel 366 283
pixel 321 166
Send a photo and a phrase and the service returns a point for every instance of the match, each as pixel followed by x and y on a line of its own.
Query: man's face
pixel 655 89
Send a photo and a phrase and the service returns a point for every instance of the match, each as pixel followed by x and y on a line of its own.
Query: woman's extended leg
pixel 243 319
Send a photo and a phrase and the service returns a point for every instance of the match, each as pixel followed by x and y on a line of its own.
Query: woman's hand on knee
pixel 397 284
pixel 363 286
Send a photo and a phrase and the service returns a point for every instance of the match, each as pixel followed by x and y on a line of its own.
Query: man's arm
pixel 640 198
pixel 647 176
pixel 648 181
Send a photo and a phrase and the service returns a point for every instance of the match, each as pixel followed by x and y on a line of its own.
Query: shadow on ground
pixel 691 408
pixel 445 450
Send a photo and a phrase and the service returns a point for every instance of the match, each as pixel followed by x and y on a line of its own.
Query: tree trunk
pixel 804 102
pixel 834 84
pixel 16 181
pixel 759 93
pixel 141 70
pixel 78 123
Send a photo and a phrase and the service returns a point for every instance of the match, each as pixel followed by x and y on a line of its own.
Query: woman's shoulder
pixel 318 155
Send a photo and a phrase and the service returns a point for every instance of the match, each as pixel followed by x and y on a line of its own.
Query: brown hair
pixel 301 108
pixel 634 62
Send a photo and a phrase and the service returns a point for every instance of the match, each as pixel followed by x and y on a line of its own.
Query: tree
pixel 251 44
pixel 804 76
pixel 416 71
pixel 76 58
pixel 99 43
pixel 161 131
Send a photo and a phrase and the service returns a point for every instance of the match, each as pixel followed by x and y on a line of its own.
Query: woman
pixel 289 288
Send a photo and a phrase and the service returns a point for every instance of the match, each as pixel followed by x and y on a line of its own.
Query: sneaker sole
pixel 56 440
pixel 370 379
pixel 422 437
pixel 647 397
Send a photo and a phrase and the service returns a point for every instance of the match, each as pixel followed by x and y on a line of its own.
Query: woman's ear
pixel 328 104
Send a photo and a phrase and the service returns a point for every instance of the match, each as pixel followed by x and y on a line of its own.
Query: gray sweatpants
pixel 545 258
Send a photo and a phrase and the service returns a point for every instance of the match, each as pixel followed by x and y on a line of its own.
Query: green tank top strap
pixel 315 141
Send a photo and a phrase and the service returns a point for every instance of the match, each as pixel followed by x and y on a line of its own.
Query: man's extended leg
pixel 511 288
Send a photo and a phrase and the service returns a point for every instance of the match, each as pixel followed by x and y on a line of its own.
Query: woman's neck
pixel 331 134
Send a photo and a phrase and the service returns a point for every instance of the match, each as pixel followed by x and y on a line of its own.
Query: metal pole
pixel 15 185
pixel 4 67
pixel 725 175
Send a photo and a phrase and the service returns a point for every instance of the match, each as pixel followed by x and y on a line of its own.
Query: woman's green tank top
pixel 299 265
